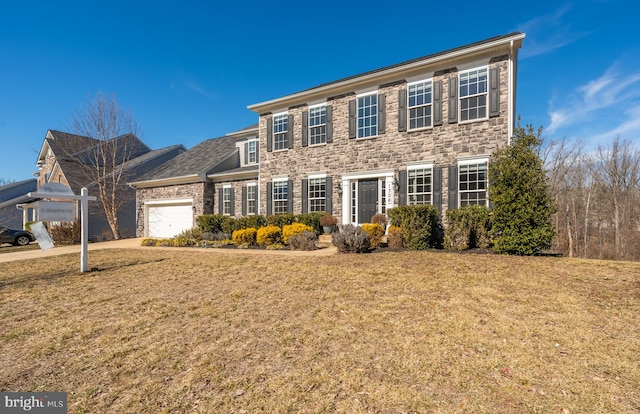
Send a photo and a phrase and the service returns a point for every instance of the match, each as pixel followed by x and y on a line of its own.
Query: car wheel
pixel 22 241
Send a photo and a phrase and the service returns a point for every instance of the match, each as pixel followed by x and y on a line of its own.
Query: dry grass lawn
pixel 174 331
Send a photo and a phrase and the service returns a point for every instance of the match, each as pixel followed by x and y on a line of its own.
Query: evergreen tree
pixel 518 189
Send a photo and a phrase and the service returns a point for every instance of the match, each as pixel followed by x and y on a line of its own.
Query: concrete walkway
pixel 136 244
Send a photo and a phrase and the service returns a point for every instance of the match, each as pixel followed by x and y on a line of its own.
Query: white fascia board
pixel 380 77
pixel 220 177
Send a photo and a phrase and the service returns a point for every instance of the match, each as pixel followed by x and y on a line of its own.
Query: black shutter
pixel 453 100
pixel 270 134
pixel 232 207
pixel 305 128
pixel 402 187
pixel 352 119
pixel 257 151
pixel 329 121
pixel 244 201
pixel 269 198
pixel 494 92
pixel 453 188
pixel 305 196
pixel 437 187
pixel 437 103
pixel 382 113
pixel 246 153
pixel 329 195
pixel 221 201
pixel 290 196
pixel 290 132
pixel 402 110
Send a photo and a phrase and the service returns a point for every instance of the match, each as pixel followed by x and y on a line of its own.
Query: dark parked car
pixel 15 237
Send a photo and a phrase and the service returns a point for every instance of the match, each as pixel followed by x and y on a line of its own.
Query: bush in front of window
pixel 394 237
pixel 256 221
pixel 215 223
pixel 244 237
pixel 305 241
pixel 351 239
pixel 375 233
pixel 294 229
pixel 281 220
pixel 312 220
pixel 420 224
pixel 467 228
pixel 269 236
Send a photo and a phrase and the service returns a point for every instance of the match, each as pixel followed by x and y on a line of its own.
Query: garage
pixel 168 218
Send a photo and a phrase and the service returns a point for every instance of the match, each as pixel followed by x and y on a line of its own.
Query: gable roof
pixel 15 193
pixel 194 165
pixel 393 72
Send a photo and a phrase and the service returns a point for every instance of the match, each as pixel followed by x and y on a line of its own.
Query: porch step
pixel 324 240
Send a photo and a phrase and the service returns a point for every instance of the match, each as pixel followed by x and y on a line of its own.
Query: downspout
pixel 512 102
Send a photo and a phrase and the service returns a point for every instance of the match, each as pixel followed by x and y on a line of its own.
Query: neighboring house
pixel 64 158
pixel 219 175
pixel 13 211
pixel 418 132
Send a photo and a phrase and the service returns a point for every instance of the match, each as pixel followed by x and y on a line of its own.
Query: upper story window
pixel 420 109
pixel 472 183
pixel 368 116
pixel 280 129
pixel 318 124
pixel 473 94
pixel 252 152
pixel 419 184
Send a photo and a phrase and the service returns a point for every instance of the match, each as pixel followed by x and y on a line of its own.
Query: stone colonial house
pixel 417 132
pixel 64 158
pixel 219 175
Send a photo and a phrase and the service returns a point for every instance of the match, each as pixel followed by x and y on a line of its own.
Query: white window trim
pixel 314 177
pixel 257 143
pixel 256 200
pixel 273 132
pixel 310 107
pixel 409 108
pixel 364 95
pixel 470 161
pixel 273 200
pixel 460 98
pixel 226 187
pixel 427 166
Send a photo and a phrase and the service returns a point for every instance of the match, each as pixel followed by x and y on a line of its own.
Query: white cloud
pixel 629 129
pixel 183 85
pixel 548 32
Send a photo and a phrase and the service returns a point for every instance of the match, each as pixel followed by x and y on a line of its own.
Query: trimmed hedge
pixel 269 236
pixel 468 227
pixel 294 229
pixel 420 224
pixel 244 237
pixel 218 223
pixel 375 233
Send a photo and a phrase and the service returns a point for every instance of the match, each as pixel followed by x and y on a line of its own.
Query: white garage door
pixel 169 220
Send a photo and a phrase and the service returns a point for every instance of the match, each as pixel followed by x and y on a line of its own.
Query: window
pixel 473 94
pixel 318 124
pixel 280 129
pixel 252 192
pixel 226 200
pixel 472 184
pixel 317 194
pixel 368 116
pixel 280 197
pixel 419 188
pixel 252 155
pixel 419 95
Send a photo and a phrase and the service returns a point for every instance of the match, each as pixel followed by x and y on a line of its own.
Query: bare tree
pixel 5 181
pixel 114 130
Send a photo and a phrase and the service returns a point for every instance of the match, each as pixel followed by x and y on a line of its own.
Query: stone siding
pixel 393 150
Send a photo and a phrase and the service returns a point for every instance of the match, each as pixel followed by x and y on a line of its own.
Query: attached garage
pixel 168 218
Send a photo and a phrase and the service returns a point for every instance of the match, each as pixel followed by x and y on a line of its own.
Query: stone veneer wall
pixel 202 194
pixel 237 195
pixel 442 145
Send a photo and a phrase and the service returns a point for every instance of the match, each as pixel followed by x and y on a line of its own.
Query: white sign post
pixel 59 191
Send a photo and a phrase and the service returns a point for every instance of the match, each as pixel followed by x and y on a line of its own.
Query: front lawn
pixel 203 331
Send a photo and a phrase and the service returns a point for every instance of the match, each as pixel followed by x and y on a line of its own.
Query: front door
pixel 367 199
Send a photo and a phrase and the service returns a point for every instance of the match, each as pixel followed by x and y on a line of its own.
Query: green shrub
pixel 192 233
pixel 312 220
pixel 269 235
pixel 394 237
pixel 375 233
pixel 305 241
pixel 280 220
pixel 255 221
pixel 294 229
pixel 351 239
pixel 468 227
pixel 149 242
pixel 244 237
pixel 212 223
pixel 420 224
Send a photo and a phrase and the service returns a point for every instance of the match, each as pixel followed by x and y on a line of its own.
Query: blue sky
pixel 187 70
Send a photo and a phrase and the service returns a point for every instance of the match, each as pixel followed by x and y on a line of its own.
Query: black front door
pixel 367 200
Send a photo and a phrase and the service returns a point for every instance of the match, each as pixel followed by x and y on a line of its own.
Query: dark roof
pixel 17 189
pixel 199 160
pixel 66 144
pixel 128 147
